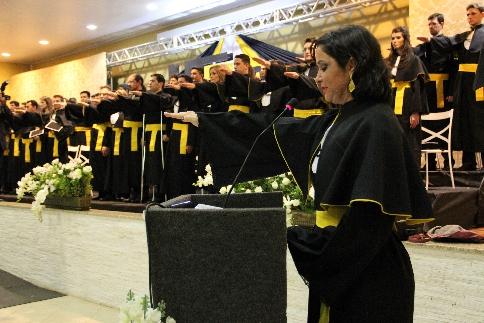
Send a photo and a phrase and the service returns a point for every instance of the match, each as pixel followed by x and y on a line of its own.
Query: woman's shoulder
pixel 376 117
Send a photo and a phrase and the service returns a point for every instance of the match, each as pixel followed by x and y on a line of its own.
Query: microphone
pixel 289 106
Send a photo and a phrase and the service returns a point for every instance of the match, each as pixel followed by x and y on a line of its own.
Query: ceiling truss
pixel 301 12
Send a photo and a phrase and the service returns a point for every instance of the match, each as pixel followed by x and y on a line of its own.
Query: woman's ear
pixel 351 65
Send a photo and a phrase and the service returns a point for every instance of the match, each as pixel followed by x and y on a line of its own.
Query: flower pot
pixel 80 203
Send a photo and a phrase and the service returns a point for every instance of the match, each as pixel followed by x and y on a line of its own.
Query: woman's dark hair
pixel 407 53
pixel 371 76
pixel 407 49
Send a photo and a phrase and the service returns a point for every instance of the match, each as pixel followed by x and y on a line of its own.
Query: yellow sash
pixel 38 146
pixel 330 217
pixel 16 145
pixel 439 85
pixel 241 108
pixel 472 68
pixel 134 125
pixel 101 129
pixel 400 86
pixel 27 143
pixel 304 113
pixel 183 127
pixel 55 147
pixel 153 128
pixel 117 140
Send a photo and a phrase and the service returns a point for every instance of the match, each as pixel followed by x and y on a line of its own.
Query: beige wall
pixel 7 70
pixel 67 79
pixel 453 11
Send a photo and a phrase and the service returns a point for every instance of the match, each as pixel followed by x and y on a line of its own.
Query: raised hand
pixel 262 62
pixel 189 116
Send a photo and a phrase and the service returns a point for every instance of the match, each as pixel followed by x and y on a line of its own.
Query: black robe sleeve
pixel 228 137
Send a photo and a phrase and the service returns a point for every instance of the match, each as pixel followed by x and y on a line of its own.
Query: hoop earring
pixel 351 84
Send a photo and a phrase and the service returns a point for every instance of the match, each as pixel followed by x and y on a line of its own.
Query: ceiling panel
pixel 25 22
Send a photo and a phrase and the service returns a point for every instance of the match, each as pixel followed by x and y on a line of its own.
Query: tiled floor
pixel 68 309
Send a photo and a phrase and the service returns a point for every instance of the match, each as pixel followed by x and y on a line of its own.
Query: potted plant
pixel 58 185
pixel 299 211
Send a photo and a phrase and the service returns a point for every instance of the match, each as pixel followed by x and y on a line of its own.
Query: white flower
pixel 75 174
pixel 295 202
pixel 39 170
pixel 223 190
pixel 170 319
pixel 152 316
pixel 258 189
pixel 131 311
pixel 208 169
pixel 275 185
pixel 286 181
pixel 208 180
pixel 87 169
pixel 248 190
pixel 55 161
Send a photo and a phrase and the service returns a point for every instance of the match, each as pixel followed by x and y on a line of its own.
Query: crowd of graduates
pixel 135 151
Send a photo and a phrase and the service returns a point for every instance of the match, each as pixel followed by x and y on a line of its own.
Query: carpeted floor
pixel 15 291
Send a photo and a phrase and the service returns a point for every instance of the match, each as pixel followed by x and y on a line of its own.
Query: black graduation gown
pixel 81 135
pixel 359 269
pixel 241 90
pixel 411 77
pixel 100 136
pixel 180 174
pixel 210 97
pixel 153 105
pixel 442 69
pixel 468 125
pixel 304 89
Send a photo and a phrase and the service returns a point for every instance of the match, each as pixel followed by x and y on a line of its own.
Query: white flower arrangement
pixel 292 195
pixel 206 180
pixel 71 179
pixel 138 310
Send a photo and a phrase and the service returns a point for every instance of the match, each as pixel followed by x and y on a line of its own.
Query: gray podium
pixel 225 265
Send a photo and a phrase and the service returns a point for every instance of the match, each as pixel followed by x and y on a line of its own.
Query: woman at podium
pixel 364 175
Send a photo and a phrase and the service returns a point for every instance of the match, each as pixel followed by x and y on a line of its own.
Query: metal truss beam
pixel 301 12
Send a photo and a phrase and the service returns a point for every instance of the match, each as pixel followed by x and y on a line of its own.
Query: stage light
pixel 91 27
pixel 44 42
pixel 5 54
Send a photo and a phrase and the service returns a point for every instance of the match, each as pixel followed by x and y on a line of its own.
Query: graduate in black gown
pixel 364 175
pixel 442 68
pixel 182 143
pixel 468 124
pixel 408 75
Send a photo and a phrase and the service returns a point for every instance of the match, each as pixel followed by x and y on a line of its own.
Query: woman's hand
pixel 414 119
pixel 189 116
